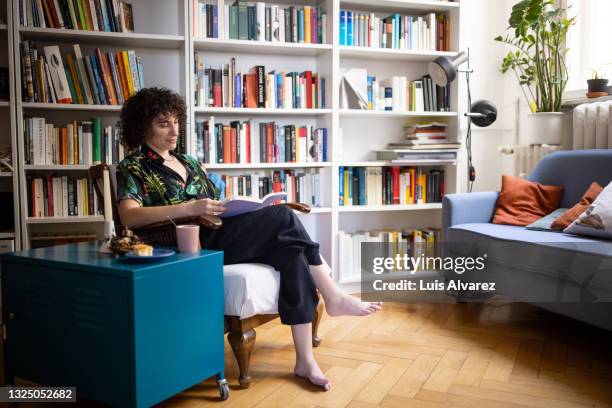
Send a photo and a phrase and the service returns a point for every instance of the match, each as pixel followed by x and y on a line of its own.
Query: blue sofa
pixel 560 272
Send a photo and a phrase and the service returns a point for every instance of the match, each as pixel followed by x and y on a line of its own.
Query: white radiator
pixel 527 157
pixel 593 126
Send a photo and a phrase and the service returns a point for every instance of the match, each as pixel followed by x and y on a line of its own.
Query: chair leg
pixel 242 344
pixel 316 340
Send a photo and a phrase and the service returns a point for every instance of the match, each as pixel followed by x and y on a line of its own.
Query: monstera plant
pixel 538 29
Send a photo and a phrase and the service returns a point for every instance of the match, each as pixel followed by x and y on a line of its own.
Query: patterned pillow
pixel 545 223
pixel 597 219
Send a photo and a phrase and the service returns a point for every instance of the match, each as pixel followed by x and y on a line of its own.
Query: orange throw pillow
pixel 565 219
pixel 522 202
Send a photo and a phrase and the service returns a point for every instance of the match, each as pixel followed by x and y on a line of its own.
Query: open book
pixel 237 205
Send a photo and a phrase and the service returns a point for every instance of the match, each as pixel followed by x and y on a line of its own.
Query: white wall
pixel 481 22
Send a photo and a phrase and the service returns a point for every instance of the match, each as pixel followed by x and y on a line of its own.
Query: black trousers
pixel 274 236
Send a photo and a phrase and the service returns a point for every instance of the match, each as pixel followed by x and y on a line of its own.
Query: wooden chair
pixel 241 330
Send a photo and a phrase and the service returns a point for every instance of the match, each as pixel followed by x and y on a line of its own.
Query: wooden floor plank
pixel 502 362
pixel 383 381
pixel 415 376
pixel 445 372
pixel 474 367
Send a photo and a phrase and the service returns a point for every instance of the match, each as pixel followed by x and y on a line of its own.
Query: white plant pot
pixel 541 128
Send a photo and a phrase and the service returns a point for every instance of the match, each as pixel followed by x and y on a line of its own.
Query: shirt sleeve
pixel 129 185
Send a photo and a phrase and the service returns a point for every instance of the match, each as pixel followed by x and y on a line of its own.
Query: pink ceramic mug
pixel 188 238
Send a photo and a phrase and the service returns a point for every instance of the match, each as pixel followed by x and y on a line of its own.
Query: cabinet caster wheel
pixel 223 389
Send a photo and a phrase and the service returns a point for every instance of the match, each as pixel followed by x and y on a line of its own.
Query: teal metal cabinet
pixel 126 334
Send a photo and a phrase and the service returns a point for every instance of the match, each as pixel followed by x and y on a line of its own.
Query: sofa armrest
pixel 467 208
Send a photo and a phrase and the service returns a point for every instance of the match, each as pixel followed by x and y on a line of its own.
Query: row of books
pixel 61 196
pixel 401 94
pixel 101 79
pixel 88 15
pixel 260 22
pixel 263 142
pixel 389 185
pixel 414 243
pixel 428 32
pixel 300 186
pixel 84 142
pixel 227 87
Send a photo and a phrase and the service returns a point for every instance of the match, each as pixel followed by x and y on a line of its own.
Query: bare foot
pixel 347 305
pixel 311 371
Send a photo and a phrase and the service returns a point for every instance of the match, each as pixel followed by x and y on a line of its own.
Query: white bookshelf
pixel 160 39
pixel 262 111
pixel 64 220
pixel 102 38
pixel 391 114
pixel 29 106
pixel 257 47
pixel 9 180
pixel 166 43
pixel 246 166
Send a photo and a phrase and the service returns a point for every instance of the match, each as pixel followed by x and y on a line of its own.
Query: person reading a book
pixel 154 182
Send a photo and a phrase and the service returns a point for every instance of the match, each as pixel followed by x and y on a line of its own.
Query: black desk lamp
pixel 482 112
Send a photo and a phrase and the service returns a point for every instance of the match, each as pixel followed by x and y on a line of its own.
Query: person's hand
pixel 207 206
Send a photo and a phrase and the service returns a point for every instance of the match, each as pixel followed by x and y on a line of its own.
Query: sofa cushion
pixel 570 215
pixel 522 202
pixel 545 223
pixel 513 233
pixel 250 289
pixel 597 219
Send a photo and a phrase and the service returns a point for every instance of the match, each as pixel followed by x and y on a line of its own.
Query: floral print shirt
pixel 143 177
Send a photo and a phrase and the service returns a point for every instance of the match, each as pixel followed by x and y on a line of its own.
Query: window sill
pixel 571 99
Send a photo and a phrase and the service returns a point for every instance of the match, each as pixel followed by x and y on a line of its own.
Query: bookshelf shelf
pixel 70 107
pixel 7 235
pixel 259 47
pixel 6 174
pixel 239 166
pixel 103 37
pixel 377 113
pixel 401 5
pixel 63 220
pixel 3 27
pixel 59 167
pixel 394 207
pixel 5 104
pixel 382 163
pixel 392 54
pixel 248 111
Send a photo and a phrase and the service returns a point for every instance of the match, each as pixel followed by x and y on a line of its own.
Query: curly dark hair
pixel 142 108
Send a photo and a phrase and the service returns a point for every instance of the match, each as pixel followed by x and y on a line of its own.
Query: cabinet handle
pixel 11 315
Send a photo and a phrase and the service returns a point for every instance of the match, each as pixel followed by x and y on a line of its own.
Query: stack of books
pixel 428 32
pixel 407 156
pixel 260 22
pixel 84 142
pixel 101 79
pixel 300 186
pixel 264 142
pixel 226 87
pixel 390 185
pixel 425 135
pixel 88 15
pixel 414 243
pixel 61 196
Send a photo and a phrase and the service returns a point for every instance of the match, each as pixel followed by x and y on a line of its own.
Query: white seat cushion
pixel 250 289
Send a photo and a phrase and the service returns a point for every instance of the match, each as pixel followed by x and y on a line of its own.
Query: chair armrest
pixel 206 221
pixel 301 207
pixel 467 208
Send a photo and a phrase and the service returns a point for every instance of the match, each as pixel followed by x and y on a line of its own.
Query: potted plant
pixel 538 29
pixel 598 84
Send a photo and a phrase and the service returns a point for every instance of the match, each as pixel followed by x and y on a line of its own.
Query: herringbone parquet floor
pixel 432 356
